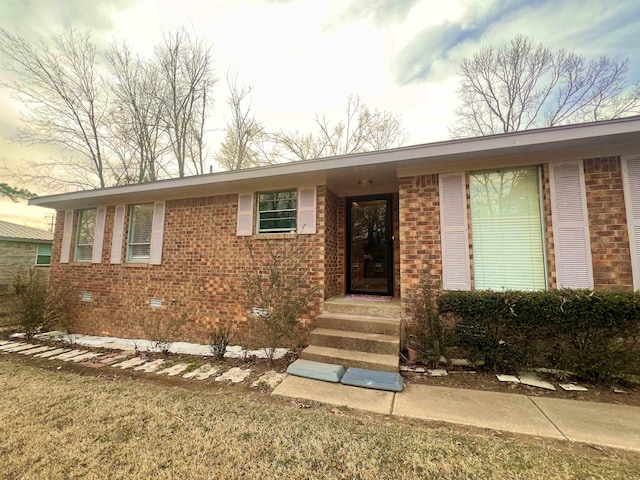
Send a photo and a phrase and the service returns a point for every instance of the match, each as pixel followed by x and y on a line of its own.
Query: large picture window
pixel 86 231
pixel 508 249
pixel 139 239
pixel 277 212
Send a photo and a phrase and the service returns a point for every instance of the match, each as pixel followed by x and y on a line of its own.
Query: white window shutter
pixel 66 236
pixel 157 233
pixel 118 234
pixel 631 185
pixel 245 214
pixel 98 237
pixel 570 225
pixel 454 232
pixel 307 210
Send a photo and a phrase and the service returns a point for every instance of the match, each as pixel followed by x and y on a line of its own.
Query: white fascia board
pixel 309 171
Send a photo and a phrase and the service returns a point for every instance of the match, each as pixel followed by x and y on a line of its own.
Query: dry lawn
pixel 55 424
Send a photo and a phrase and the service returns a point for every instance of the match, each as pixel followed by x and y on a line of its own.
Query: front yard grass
pixel 65 425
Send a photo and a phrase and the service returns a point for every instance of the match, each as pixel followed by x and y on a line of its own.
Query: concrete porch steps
pixel 379 309
pixel 357 333
pixel 359 323
pixel 358 341
pixel 350 358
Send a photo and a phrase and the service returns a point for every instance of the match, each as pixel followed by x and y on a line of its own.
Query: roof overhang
pixel 383 168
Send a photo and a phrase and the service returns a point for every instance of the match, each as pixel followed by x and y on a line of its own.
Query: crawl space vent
pixel 155 302
pixel 259 312
pixel 86 297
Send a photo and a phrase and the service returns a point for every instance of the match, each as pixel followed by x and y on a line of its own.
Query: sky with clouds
pixel 305 57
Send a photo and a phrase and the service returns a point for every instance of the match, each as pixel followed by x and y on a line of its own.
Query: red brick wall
pixel 342 246
pixel 419 233
pixel 608 224
pixel 395 205
pixel 332 268
pixel 202 261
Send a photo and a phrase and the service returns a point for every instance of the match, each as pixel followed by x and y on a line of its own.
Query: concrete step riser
pixel 336 323
pixel 383 311
pixel 349 363
pixel 389 347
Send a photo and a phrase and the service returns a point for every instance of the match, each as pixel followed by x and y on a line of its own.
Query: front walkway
pixel 601 424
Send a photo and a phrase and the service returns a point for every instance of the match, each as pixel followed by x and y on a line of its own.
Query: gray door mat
pixel 359 377
pixel 327 372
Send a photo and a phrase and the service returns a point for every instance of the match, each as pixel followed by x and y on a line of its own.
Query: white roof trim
pixel 524 141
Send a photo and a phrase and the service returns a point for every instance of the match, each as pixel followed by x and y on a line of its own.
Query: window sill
pixel 136 264
pixel 273 236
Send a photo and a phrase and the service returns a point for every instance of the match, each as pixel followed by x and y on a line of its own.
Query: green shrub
pixel 36 307
pixel 220 338
pixel 592 334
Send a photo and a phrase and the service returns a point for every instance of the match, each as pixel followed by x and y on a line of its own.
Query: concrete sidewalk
pixel 602 424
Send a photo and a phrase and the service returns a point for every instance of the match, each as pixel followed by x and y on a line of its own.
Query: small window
pixel 139 239
pixel 43 256
pixel 84 239
pixel 277 212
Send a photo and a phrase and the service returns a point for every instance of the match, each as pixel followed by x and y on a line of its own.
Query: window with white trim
pixel 85 234
pixel 277 211
pixel 506 222
pixel 139 238
pixel 43 255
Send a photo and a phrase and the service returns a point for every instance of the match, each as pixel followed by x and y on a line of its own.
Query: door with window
pixel 369 245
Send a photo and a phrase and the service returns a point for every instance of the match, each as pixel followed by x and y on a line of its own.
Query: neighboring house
pixel 539 209
pixel 20 249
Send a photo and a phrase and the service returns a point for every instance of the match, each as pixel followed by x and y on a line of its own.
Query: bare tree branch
pixel 522 85
pixel 363 130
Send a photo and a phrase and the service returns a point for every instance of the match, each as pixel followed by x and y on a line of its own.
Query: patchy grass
pixel 6 318
pixel 61 425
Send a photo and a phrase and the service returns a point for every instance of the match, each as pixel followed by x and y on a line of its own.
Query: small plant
pixel 429 336
pixel 163 334
pixel 275 292
pixel 220 339
pixel 36 307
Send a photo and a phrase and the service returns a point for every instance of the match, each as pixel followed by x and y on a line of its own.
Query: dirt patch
pixel 480 380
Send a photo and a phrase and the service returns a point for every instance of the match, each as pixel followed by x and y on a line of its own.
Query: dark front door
pixel 369 245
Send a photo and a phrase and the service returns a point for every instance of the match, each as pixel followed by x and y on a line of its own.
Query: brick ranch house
pixel 539 209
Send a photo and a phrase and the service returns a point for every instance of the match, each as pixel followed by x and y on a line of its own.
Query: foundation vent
pixel 155 302
pixel 259 312
pixel 86 297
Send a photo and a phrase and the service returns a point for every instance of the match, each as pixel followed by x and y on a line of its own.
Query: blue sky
pixel 305 57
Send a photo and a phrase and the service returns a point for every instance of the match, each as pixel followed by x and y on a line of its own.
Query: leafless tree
pixel 186 71
pixel 246 144
pixel 363 130
pixel 65 104
pixel 136 114
pixel 522 85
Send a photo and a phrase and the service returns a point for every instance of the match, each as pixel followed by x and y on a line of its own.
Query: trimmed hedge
pixel 592 334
